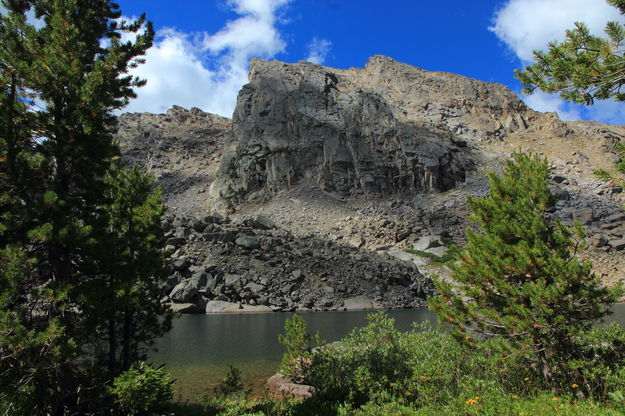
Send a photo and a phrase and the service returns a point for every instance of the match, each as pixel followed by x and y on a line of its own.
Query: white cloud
pixel 608 112
pixel 318 50
pixel 207 70
pixel 540 101
pixel 528 25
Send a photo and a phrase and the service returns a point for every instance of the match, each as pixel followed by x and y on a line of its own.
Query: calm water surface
pixel 199 348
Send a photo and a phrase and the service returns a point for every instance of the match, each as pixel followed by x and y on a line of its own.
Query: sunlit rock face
pixel 346 130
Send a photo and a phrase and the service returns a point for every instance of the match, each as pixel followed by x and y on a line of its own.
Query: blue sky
pixel 203 47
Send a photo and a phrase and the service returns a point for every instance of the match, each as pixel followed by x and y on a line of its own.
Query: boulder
pixel 182 232
pixel 359 303
pixel 230 280
pixel 184 292
pixel 584 215
pixel 281 387
pixel 423 243
pixel 617 244
pixel 438 251
pixel 223 236
pixel 619 217
pixel 255 287
pixel 249 242
pixel 218 306
pixel 184 308
pixel 260 222
pixel 181 264
pixel 414 260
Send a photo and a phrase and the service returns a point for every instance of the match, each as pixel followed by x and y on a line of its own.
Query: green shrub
pixel 231 384
pixel 598 368
pixel 371 361
pixel 493 405
pixel 142 390
pixel 418 368
pixel 240 406
pixel 297 359
pixel 603 175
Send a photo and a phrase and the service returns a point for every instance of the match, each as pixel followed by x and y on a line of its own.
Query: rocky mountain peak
pixel 329 175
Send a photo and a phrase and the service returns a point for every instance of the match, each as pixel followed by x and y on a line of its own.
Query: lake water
pixel 199 348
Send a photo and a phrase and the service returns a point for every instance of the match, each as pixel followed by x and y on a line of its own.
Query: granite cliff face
pixel 296 122
pixel 324 177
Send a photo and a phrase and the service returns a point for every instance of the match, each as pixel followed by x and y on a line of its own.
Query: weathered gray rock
pixel 426 242
pixel 281 387
pixel 184 292
pixel 357 303
pixel 617 244
pixel 182 232
pixel 255 287
pixel 410 258
pixel 438 251
pixel 295 121
pixel 584 215
pixel 184 308
pixel 615 218
pixel 232 279
pixel 181 264
pixel 248 241
pixel 224 236
pixel 217 306
pixel 260 222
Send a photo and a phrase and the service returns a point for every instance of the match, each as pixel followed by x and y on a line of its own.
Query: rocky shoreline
pixel 250 265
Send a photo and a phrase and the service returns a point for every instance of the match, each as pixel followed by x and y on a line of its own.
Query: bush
pixel 493 405
pixel 230 385
pixel 598 368
pixel 371 361
pixel 142 390
pixel 422 367
pixel 296 360
pixel 239 406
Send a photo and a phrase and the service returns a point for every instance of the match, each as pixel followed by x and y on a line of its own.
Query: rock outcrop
pixel 181 148
pixel 303 121
pixel 347 168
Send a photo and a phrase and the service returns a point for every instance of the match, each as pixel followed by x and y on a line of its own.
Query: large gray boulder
pixel 218 306
pixel 184 292
pixel 359 303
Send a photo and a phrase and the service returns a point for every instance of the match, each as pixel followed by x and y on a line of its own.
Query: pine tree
pixel 127 299
pixel 61 83
pixel 584 67
pixel 519 279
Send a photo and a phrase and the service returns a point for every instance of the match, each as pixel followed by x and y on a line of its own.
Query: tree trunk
pixel 10 134
pixel 127 351
pixel 112 346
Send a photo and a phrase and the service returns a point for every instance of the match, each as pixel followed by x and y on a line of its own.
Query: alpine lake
pixel 199 349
